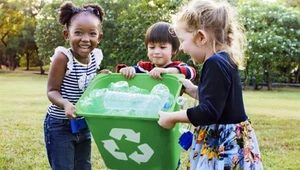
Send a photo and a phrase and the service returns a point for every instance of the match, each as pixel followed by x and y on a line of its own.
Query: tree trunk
pixel 12 62
pixel 297 76
pixel 41 67
pixel 9 58
pixel 268 81
pixel 27 60
pixel 1 60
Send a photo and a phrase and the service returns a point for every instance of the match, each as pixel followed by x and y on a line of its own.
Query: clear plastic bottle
pixel 132 104
pixel 163 92
pixel 94 102
pixel 121 86
pixel 119 99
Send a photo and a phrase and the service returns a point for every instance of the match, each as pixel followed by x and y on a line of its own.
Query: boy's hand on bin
pixel 156 73
pixel 165 120
pixel 128 72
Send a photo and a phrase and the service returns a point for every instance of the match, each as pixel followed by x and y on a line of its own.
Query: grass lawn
pixel 275 116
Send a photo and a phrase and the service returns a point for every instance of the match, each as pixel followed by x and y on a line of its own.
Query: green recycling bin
pixel 128 142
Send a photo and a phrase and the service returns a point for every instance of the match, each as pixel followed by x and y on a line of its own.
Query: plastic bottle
pixel 121 86
pixel 162 91
pixel 93 103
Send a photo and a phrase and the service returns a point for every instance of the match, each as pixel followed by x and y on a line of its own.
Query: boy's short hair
pixel 162 32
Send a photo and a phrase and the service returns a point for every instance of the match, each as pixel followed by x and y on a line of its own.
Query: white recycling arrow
pixel 117 133
pixel 111 146
pixel 147 153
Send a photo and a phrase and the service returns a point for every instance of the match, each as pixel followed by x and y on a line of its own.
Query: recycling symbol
pixel 117 133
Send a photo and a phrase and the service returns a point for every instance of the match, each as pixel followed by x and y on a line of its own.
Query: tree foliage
pixel 273 33
pixel 11 24
pixel 18 24
pixel 49 33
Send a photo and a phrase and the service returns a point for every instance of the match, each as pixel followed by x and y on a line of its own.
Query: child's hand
pixel 165 120
pixel 128 72
pixel 105 71
pixel 70 110
pixel 156 73
pixel 190 88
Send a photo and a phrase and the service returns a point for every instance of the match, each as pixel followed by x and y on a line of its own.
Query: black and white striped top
pixel 76 80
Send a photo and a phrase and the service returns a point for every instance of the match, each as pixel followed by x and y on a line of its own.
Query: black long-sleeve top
pixel 220 93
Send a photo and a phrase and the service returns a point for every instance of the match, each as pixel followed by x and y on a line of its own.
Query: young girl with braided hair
pixel 224 137
pixel 71 72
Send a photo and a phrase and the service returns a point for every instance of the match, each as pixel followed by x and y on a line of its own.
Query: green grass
pixel 275 116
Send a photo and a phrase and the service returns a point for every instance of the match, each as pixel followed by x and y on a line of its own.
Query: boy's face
pixel 84 34
pixel 160 53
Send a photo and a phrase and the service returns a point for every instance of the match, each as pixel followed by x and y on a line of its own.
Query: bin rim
pixel 150 118
pixel 173 76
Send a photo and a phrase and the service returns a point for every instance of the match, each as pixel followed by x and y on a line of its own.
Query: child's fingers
pixel 155 75
pixel 105 71
pixel 71 115
pixel 185 82
pixel 130 74
pixel 182 80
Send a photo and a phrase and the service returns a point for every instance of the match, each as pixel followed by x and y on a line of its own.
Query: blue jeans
pixel 66 151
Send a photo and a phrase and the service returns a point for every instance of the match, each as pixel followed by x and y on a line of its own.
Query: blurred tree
pixel 49 33
pixel 31 9
pixel 273 33
pixel 290 3
pixel 11 23
pixel 19 41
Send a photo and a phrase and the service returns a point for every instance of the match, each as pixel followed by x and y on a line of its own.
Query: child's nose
pixel 85 37
pixel 156 50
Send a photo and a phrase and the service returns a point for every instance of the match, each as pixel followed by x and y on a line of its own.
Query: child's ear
pixel 66 34
pixel 100 37
pixel 201 37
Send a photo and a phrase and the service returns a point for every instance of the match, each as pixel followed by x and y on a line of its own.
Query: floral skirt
pixel 225 146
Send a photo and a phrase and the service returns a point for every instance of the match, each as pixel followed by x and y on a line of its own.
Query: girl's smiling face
pixel 193 43
pixel 84 34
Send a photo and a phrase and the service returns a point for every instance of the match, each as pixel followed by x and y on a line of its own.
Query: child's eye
pixel 151 47
pixel 93 33
pixel 163 47
pixel 78 33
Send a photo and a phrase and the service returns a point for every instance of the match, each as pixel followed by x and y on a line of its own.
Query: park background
pixel 29 33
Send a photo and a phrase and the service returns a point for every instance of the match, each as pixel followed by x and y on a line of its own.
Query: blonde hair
pixel 217 18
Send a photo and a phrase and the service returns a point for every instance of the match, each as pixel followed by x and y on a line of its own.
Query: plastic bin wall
pixel 134 142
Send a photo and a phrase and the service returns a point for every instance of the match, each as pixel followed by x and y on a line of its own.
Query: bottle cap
pixel 185 140
pixel 167 105
pixel 181 100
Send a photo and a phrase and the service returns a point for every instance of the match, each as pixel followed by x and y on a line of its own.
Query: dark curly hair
pixel 68 10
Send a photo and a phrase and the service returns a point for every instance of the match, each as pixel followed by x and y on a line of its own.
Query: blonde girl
pixel 223 137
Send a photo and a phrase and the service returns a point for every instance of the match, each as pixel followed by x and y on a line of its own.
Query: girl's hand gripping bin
pixel 129 142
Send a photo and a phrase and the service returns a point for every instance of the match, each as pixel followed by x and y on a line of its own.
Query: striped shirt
pixel 145 67
pixel 74 83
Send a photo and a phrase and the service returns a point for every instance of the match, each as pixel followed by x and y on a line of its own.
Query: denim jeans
pixel 66 151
